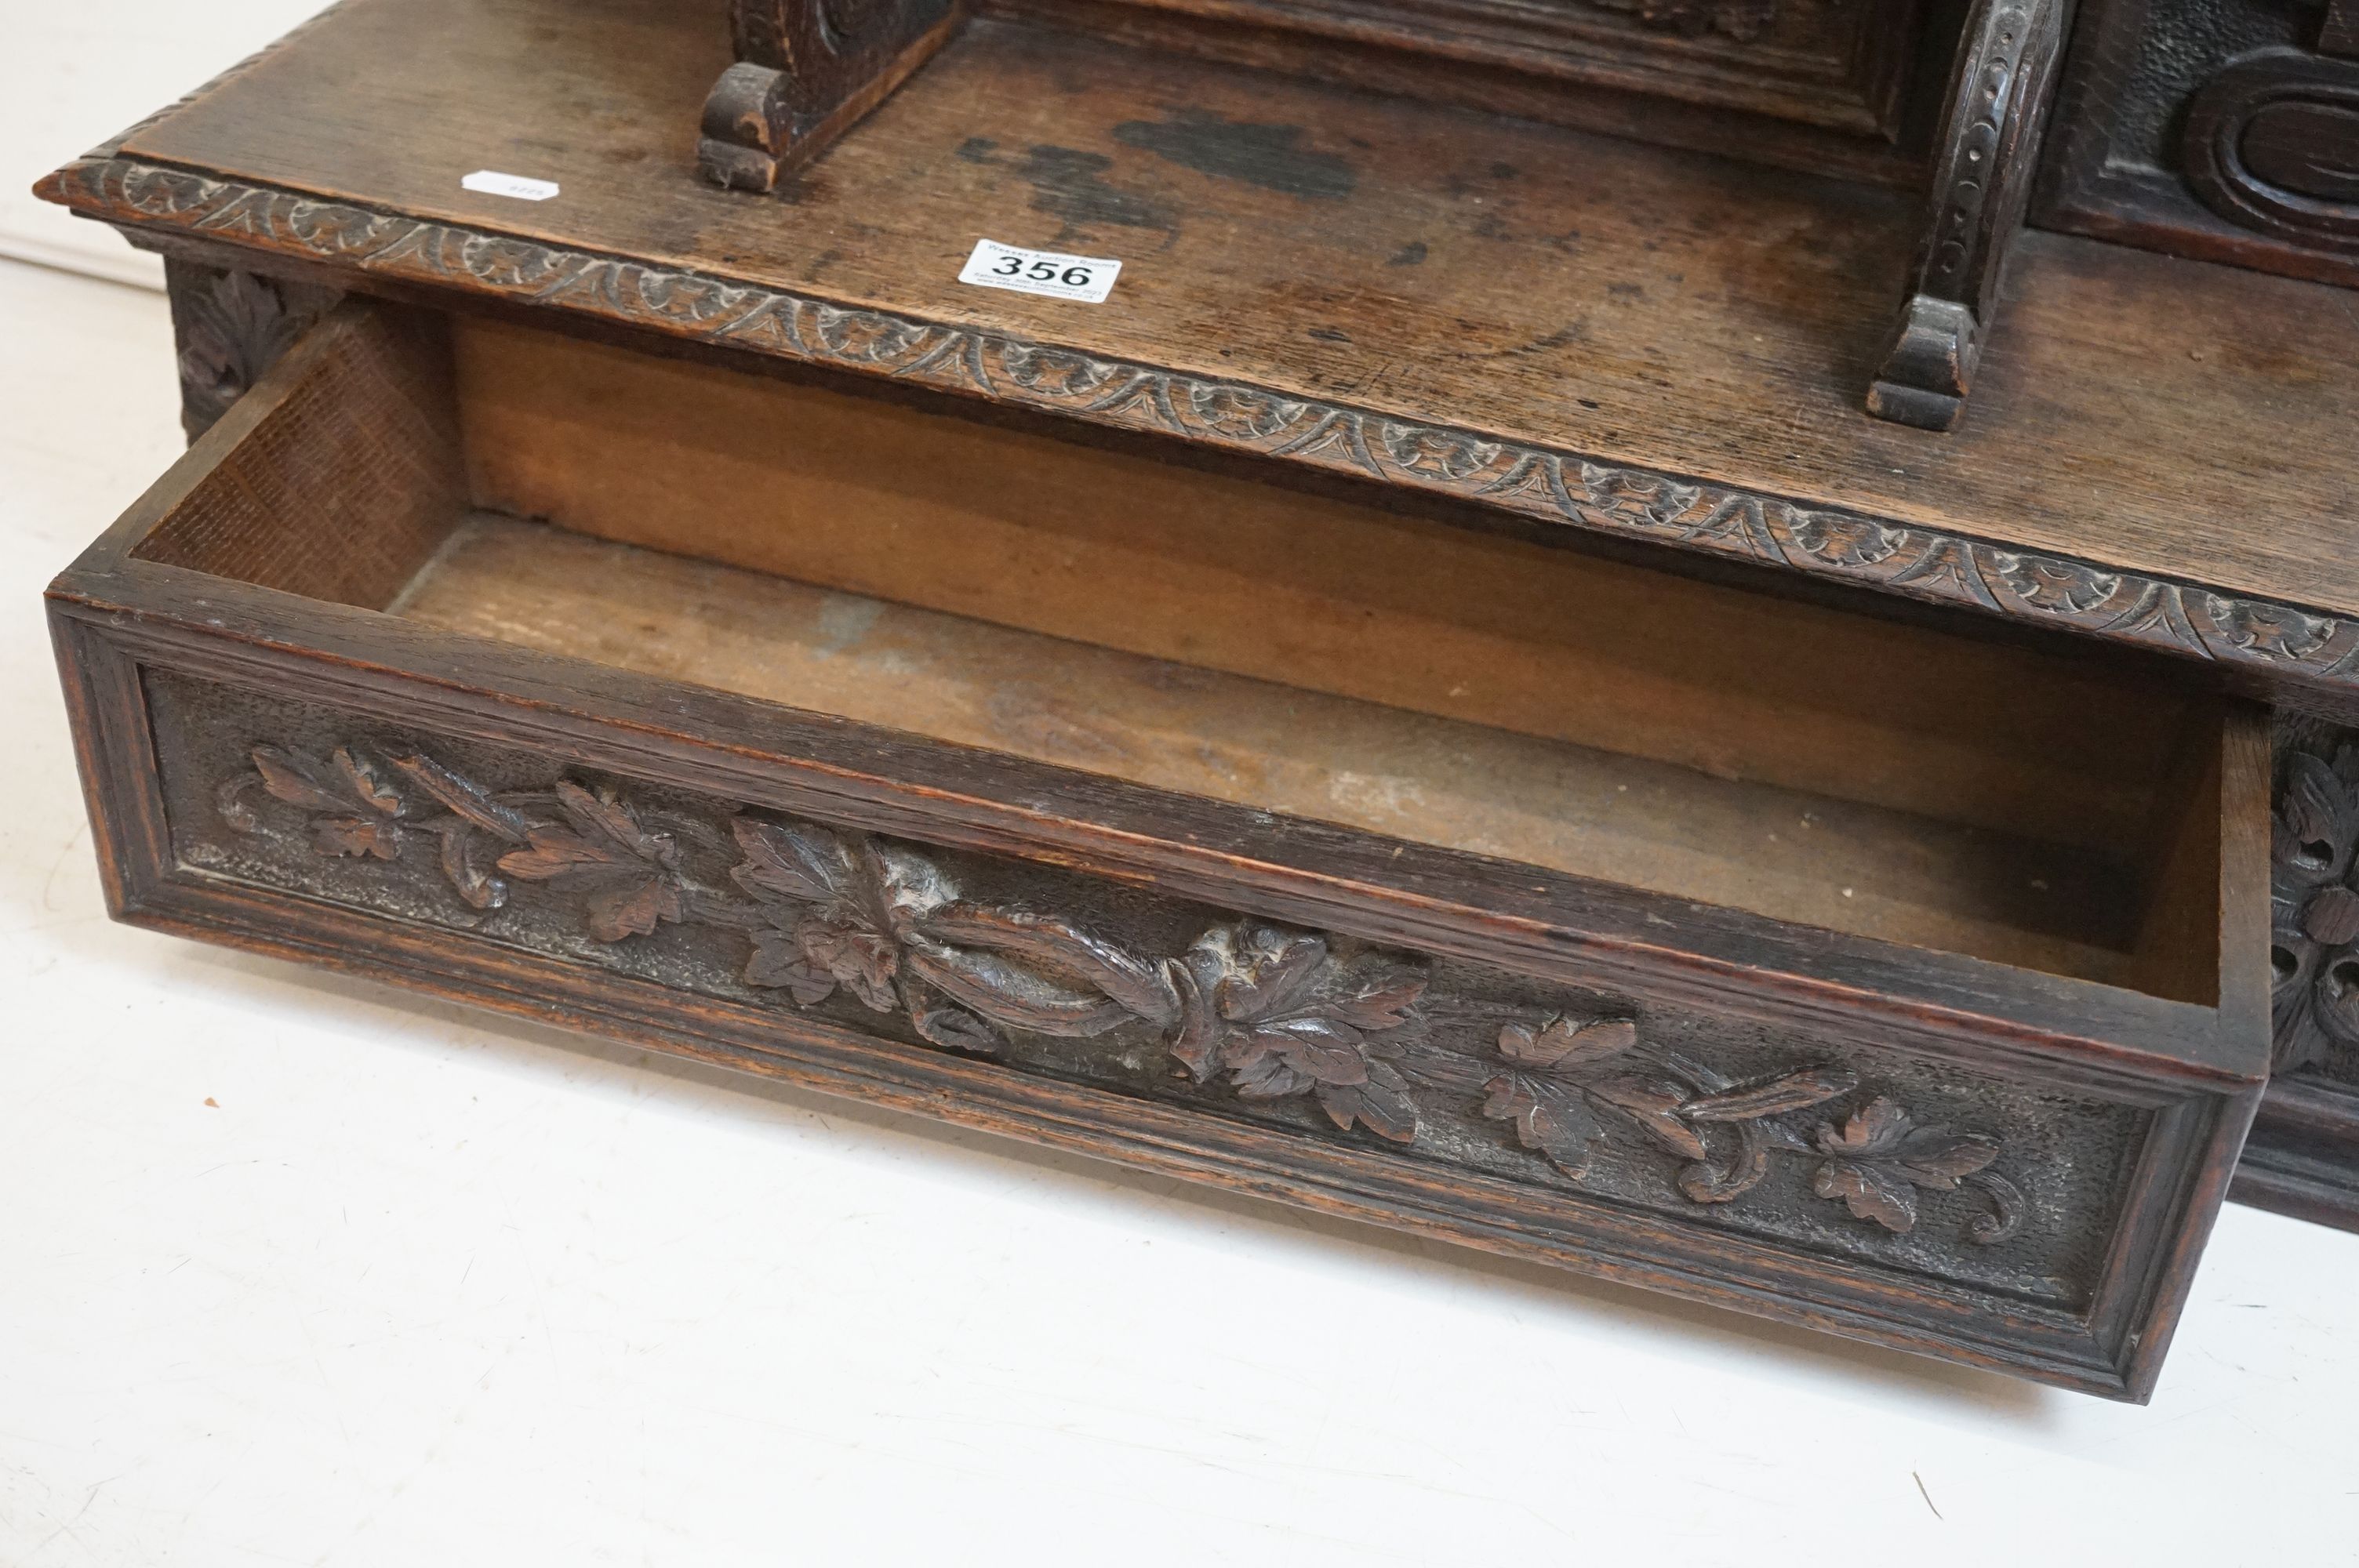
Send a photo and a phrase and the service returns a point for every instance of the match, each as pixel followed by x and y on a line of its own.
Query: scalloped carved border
pixel 2290 645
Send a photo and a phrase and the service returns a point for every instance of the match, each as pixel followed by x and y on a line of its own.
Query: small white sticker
pixel 491 182
pixel 1059 276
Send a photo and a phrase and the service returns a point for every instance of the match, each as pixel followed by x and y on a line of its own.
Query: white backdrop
pixel 299 1271
pixel 77 73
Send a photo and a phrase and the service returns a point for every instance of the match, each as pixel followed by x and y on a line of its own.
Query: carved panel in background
pixel 1840 64
pixel 2273 144
pixel 2224 129
pixel 1883 1158
pixel 1551 486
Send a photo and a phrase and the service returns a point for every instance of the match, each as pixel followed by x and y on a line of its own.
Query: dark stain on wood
pixel 1069 185
pixel 1268 156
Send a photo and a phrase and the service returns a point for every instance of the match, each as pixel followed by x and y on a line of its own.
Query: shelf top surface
pixel 1546 288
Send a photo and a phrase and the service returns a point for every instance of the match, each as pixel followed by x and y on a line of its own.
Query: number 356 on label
pixel 1086 278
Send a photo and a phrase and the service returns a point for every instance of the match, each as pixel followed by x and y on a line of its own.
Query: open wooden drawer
pixel 1848 971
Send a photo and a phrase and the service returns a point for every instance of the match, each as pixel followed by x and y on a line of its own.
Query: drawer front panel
pixel 1953 1190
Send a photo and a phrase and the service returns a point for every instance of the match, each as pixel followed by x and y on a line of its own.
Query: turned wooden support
pixel 1982 182
pixel 807 71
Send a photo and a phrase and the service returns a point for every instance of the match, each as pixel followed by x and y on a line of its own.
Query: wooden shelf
pixel 1433 298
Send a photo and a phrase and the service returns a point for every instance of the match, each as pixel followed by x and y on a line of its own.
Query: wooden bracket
pixel 1983 178
pixel 807 71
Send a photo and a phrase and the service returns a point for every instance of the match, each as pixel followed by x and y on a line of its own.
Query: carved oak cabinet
pixel 1595 651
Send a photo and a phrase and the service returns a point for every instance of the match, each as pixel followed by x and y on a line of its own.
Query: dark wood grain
pixel 1654 343
pixel 309 724
pixel 1916 1148
pixel 1808 84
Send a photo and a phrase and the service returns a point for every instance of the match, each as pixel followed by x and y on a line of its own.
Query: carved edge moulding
pixel 718 888
pixel 2276 645
pixel 2303 1156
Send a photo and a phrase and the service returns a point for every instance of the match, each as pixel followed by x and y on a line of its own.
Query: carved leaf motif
pixel 632 911
pixel 1564 1044
pixel 1055 372
pixel 231 329
pixel 1551 1118
pixel 1871 1192
pixel 1550 1095
pixel 2318 817
pixel 1238 412
pixel 1535 482
pixel 2314 909
pixel 1879 1156
pixel 2268 631
pixel 780 963
pixel 629 876
pixel 1793 1091
pixel 1056 951
pixel 1014 995
pixel 464 799
pixel 837 918
pixel 474 812
pixel 1845 541
pixel 355 811
pixel 1276 1011
pixel 2057 587
pixel 1437 454
pixel 1652 1104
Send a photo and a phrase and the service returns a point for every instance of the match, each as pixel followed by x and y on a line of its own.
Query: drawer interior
pixel 1304 655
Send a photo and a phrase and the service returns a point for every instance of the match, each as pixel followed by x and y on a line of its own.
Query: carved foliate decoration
pixel 1264 1013
pixel 1549 485
pixel 230 327
pixel 2314 905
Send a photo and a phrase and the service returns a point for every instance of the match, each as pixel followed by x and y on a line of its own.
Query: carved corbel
pixel 807 71
pixel 228 327
pixel 1982 183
